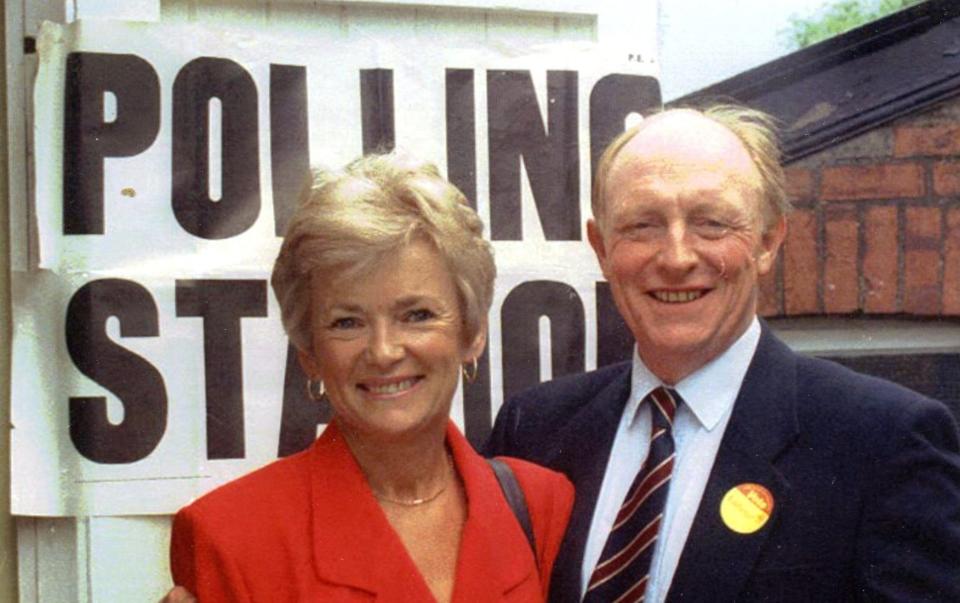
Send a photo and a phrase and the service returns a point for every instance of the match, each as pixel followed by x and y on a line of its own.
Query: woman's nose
pixel 385 346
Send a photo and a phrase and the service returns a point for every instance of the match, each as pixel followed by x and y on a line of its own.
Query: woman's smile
pixel 390 388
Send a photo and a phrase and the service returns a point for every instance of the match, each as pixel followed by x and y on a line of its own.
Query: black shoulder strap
pixel 515 498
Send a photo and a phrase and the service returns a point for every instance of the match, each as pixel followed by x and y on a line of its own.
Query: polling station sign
pixel 149 363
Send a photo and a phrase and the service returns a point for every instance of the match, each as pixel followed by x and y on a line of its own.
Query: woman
pixel 384 284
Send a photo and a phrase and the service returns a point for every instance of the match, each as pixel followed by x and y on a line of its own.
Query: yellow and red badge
pixel 746 508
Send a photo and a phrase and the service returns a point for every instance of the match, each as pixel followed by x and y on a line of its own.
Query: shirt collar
pixel 710 391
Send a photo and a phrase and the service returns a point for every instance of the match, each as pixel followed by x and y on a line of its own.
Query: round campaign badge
pixel 746 508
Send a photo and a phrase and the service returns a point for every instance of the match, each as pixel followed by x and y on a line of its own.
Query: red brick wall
pixel 876 224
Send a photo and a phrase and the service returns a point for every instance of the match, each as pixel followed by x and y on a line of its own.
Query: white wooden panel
pixel 307 19
pixel 16 95
pixel 389 23
pixel 47 556
pixel 324 21
pixel 128 558
pixel 134 10
pixel 545 6
pixel 36 11
pixel 452 27
pixel 176 11
pixel 23 20
pixel 231 13
pixel 520 28
pixel 27 559
pixel 573 27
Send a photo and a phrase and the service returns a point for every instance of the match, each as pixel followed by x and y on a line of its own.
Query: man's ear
pixel 309 364
pixel 770 243
pixel 595 236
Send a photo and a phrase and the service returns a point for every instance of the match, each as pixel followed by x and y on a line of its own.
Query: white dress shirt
pixel 708 395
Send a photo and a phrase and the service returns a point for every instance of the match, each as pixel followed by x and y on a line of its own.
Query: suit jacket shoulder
pixel 904 455
pixel 865 481
pixel 528 424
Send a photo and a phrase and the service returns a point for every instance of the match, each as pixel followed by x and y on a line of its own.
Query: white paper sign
pixel 149 360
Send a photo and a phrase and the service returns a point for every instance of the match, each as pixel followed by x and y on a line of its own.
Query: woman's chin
pixel 396 427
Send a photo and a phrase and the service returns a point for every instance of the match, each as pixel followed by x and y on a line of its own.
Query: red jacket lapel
pixel 354 544
pixel 495 556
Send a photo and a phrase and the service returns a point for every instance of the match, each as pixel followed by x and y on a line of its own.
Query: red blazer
pixel 308 528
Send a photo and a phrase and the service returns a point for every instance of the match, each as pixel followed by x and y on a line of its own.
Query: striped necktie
pixel 623 571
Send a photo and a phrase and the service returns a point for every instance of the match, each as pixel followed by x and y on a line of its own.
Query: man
pixel 785 478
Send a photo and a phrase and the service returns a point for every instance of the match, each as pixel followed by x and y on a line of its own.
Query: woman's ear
pixel 474 348
pixel 309 364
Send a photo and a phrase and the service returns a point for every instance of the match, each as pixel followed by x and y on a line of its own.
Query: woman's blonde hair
pixel 347 221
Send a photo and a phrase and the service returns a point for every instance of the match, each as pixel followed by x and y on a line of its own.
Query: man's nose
pixel 385 345
pixel 677 252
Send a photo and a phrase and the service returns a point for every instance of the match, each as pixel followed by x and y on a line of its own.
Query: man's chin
pixel 677 340
pixel 677 353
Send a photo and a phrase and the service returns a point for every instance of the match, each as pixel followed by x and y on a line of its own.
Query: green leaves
pixel 838 17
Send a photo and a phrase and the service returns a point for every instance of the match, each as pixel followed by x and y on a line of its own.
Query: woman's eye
pixel 419 315
pixel 344 323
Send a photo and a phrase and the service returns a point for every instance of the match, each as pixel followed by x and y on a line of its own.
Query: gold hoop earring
pixel 315 389
pixel 470 370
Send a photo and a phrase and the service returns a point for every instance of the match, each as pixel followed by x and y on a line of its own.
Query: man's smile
pixel 678 297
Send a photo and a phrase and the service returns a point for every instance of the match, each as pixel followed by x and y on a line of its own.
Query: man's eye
pixel 712 227
pixel 419 315
pixel 638 228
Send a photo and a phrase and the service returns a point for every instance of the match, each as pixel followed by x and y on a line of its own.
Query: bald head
pixel 740 140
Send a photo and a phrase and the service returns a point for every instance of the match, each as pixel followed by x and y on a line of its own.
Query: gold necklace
pixel 414 502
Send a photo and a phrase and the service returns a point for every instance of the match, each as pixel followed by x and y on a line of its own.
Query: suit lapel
pixel 716 561
pixel 582 455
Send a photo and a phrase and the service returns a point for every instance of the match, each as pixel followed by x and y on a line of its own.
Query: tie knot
pixel 665 404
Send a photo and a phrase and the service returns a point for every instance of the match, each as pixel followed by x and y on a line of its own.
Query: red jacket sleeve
pixel 550 501
pixel 201 564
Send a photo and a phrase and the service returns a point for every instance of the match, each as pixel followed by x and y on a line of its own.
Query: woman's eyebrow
pixel 412 300
pixel 342 307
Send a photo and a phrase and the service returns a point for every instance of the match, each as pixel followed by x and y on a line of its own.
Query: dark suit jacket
pixel 865 477
pixel 308 528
